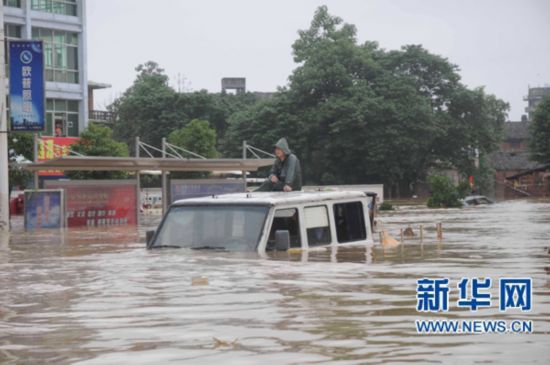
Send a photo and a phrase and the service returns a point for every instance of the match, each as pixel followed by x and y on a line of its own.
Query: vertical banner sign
pixel 27 98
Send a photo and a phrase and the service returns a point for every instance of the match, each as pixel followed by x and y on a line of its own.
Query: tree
pixel 539 129
pixel 148 108
pixel 151 109
pixel 98 140
pixel 444 193
pixel 356 113
pixel 197 136
pixel 20 146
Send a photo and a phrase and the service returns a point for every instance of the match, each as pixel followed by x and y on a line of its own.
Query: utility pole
pixel 4 167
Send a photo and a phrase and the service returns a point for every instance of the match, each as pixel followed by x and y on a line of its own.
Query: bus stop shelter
pixel 138 164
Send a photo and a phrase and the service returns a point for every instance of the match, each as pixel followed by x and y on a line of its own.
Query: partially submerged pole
pixel 35 152
pixel 439 228
pixel 4 167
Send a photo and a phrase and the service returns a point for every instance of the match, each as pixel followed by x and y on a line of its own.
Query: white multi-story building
pixel 61 25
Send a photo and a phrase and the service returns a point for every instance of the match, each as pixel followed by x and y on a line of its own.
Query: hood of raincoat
pixel 283 145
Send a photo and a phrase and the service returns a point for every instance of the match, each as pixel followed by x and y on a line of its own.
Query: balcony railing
pixel 102 116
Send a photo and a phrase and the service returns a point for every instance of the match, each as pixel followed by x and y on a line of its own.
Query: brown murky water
pixel 98 297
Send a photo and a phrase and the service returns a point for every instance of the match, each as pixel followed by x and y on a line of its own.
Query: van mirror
pixel 149 237
pixel 282 240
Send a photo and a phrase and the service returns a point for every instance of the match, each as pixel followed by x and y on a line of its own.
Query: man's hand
pixel 287 189
pixel 274 179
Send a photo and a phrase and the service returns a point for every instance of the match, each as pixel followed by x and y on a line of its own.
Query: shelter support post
pixel 138 182
pixel 35 174
pixel 164 181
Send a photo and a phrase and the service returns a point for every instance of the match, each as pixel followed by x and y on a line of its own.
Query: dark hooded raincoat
pixel 288 171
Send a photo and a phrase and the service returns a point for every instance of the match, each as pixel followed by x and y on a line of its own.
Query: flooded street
pixel 98 297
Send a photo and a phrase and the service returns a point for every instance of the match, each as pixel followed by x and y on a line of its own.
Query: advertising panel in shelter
pixel 44 209
pixel 185 189
pixel 96 203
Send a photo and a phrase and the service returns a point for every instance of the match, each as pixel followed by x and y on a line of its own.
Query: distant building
pixel 512 159
pixel 533 98
pixel 238 84
pixel 534 182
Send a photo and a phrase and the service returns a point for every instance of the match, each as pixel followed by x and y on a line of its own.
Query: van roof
pixel 273 198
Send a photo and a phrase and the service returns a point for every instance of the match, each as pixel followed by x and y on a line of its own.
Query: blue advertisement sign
pixel 27 98
pixel 44 209
pixel 185 189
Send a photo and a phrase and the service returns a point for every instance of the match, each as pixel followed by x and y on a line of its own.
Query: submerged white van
pixel 267 221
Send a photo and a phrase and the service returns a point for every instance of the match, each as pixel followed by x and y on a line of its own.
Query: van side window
pixel 317 225
pixel 350 222
pixel 285 220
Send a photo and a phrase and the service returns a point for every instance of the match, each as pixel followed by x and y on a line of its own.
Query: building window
pixel 317 225
pixel 11 32
pixel 65 7
pixel 13 3
pixel 62 117
pixel 350 222
pixel 60 54
pixel 285 220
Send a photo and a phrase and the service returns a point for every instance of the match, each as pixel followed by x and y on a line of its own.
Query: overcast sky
pixel 500 44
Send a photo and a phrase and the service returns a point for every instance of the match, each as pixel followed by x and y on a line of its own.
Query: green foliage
pixel 385 206
pixel 197 137
pixel 97 140
pixel 539 144
pixel 355 113
pixel 22 144
pixel 444 193
pixel 147 109
pixel 151 109
pixel 19 144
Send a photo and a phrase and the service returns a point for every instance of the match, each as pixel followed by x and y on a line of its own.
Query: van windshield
pixel 217 227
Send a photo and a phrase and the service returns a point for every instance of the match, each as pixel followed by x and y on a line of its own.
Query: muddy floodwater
pixel 97 296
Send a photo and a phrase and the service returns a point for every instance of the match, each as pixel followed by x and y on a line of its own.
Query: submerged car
pixel 267 221
pixel 473 200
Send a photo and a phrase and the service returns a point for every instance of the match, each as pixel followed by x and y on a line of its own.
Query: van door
pixel 286 219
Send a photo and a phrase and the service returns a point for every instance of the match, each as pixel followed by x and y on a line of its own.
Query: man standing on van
pixel 286 173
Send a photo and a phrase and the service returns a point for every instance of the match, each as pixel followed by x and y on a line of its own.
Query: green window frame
pixel 66 111
pixel 64 7
pixel 60 54
pixel 12 3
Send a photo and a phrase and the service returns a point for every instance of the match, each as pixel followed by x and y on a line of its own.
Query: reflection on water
pixel 98 297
